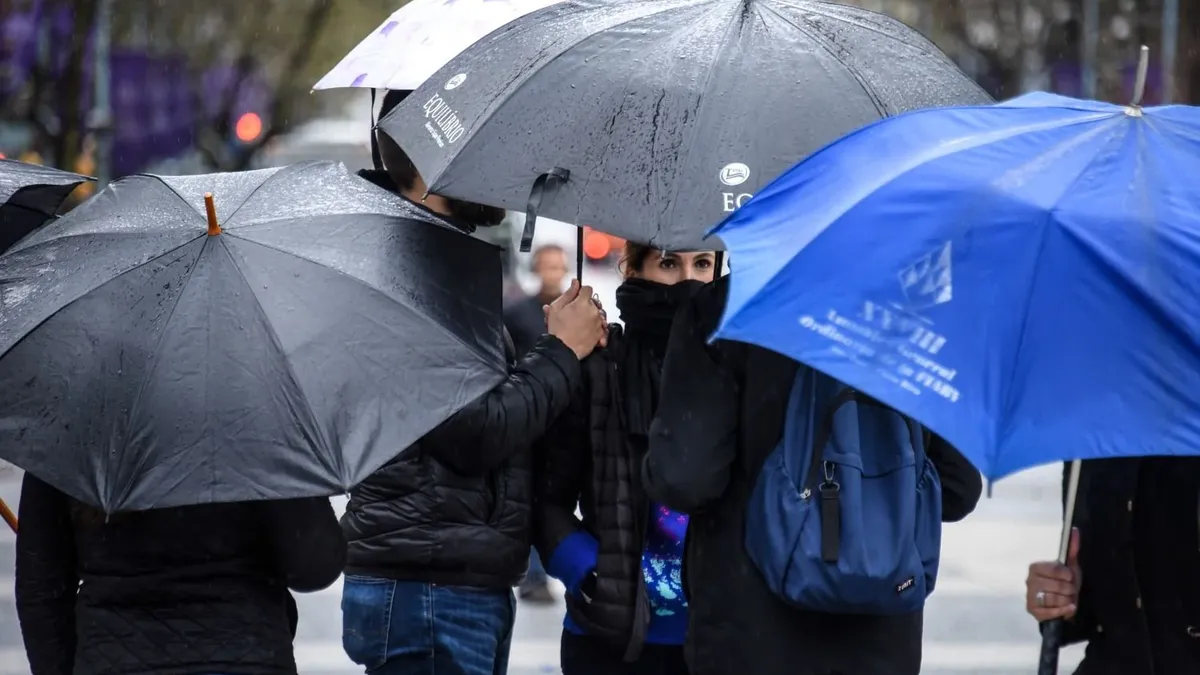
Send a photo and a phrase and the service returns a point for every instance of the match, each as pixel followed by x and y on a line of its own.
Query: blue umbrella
pixel 1023 278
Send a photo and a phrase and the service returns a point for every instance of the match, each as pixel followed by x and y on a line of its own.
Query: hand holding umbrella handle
pixel 1052 631
pixel 8 515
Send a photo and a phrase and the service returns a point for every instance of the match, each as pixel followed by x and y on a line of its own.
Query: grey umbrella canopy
pixel 145 363
pixel 30 195
pixel 662 115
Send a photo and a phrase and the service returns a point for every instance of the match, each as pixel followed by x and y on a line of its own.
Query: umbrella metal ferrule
pixel 210 207
pixel 1134 109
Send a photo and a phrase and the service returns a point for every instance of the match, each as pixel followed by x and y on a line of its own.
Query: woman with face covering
pixel 626 610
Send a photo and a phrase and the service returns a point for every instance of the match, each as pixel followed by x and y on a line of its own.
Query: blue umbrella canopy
pixel 1020 277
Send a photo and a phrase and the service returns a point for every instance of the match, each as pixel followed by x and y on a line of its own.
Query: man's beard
pixel 477 215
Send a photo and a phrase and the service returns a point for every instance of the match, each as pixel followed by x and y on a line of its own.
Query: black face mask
pixel 476 215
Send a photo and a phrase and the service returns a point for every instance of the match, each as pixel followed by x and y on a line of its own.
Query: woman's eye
pixel 704 263
pixel 667 263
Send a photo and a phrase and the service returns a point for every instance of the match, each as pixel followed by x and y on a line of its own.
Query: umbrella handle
pixel 1052 631
pixel 8 515
pixel 1052 634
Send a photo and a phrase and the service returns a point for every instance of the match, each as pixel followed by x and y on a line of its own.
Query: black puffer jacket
pixel 588 460
pixel 592 457
pixel 193 590
pixel 454 507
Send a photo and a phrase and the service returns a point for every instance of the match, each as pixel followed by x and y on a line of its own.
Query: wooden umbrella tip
pixel 210 207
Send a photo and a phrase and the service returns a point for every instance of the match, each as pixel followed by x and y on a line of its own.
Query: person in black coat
pixel 626 611
pixel 1129 588
pixel 440 535
pixel 192 590
pixel 721 412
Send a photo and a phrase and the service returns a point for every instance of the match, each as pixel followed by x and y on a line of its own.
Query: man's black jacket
pixel 454 508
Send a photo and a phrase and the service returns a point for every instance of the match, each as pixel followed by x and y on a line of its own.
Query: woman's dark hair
pixel 633 258
pixel 401 169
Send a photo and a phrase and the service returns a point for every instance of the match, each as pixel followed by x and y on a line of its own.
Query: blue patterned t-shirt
pixel 662 566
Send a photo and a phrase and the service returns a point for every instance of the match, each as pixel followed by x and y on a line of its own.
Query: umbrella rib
pixel 137 399
pixel 812 7
pixel 473 348
pixel 202 215
pixel 526 76
pixel 291 373
pixel 695 130
pixel 294 168
pixel 821 41
pixel 1041 248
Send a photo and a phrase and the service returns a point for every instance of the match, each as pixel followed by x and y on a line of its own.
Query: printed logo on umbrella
pixel 929 281
pixel 734 174
pixel 455 81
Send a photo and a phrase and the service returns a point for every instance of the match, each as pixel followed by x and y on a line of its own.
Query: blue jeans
pixel 413 628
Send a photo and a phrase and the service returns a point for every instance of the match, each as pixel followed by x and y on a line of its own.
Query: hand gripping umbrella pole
pixel 1052 631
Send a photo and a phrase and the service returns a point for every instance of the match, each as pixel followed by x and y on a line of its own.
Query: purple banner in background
pixel 155 98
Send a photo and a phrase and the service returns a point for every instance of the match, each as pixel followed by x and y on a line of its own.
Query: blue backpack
pixel 846 516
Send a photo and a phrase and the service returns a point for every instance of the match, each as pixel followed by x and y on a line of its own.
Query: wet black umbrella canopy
pixel 652 120
pixel 30 195
pixel 309 332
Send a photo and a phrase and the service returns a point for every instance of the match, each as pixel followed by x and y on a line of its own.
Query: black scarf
pixel 647 309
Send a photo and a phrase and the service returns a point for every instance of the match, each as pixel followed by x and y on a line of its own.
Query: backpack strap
pixel 831 507
pixel 830 490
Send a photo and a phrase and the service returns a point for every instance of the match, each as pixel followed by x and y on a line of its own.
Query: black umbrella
pixel 147 360
pixel 30 195
pixel 654 119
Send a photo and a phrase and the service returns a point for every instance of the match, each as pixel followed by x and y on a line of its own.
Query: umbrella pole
pixel 1052 631
pixel 1139 84
pixel 9 516
pixel 579 254
pixel 210 208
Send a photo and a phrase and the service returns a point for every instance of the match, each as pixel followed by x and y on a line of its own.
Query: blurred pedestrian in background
pixel 525 320
pixel 626 609
pixel 193 589
pixel 439 537
pixel 1136 542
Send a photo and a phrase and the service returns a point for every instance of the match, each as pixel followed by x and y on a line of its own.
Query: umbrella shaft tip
pixel 210 208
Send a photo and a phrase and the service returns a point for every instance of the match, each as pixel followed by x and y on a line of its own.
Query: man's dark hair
pixel 401 169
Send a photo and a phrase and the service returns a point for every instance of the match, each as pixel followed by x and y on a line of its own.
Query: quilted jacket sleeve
pixel 46 578
pixel 510 418
pixel 561 469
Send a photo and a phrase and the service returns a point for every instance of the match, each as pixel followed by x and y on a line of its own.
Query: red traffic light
pixel 249 127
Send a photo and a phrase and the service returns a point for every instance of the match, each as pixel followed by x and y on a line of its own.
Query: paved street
pixel 974 624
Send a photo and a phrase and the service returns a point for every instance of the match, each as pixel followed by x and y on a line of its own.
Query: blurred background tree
pixel 221 78
pixel 1074 47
